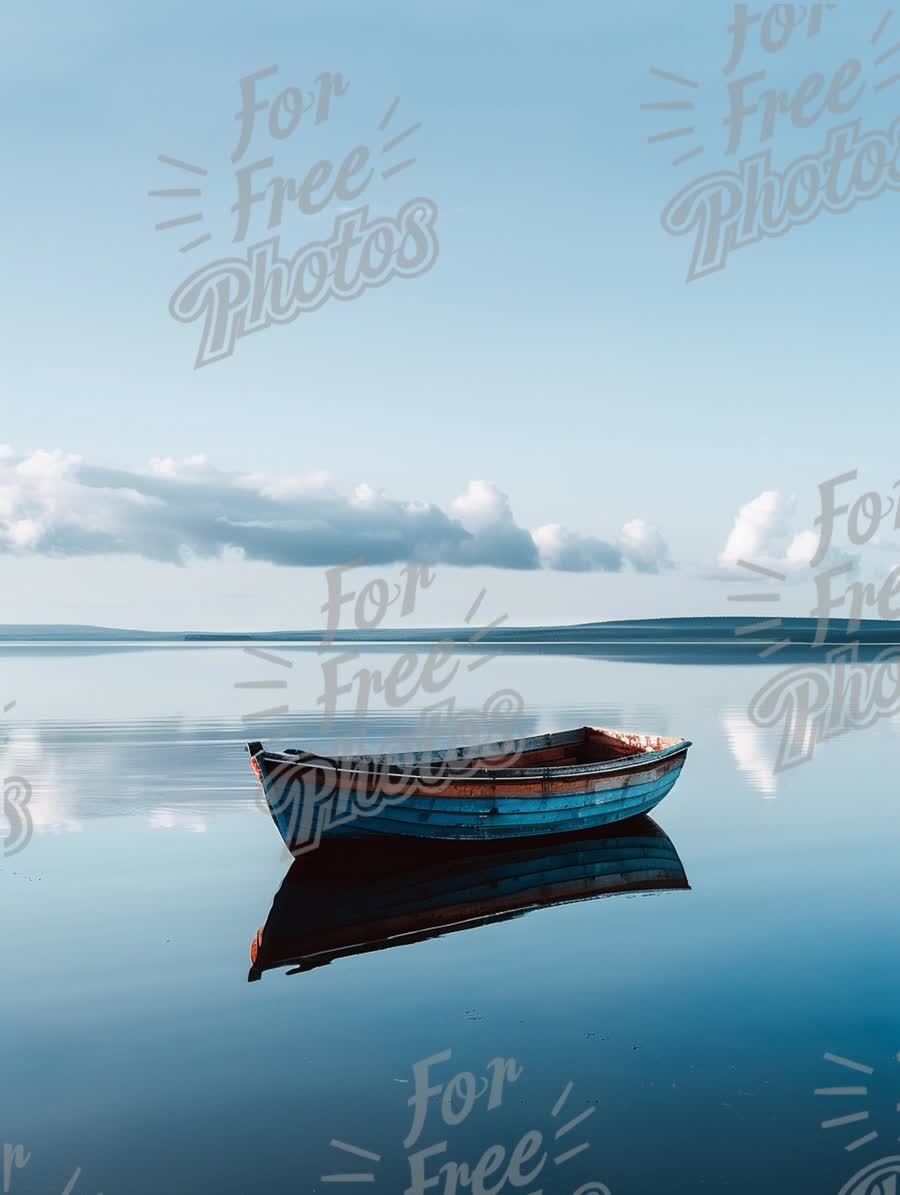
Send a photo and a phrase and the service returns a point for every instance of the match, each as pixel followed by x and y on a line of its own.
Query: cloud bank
pixel 53 504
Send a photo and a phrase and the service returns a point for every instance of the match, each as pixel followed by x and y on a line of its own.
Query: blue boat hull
pixel 419 817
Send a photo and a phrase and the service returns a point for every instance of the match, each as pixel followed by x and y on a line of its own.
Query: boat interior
pixel 590 744
pixel 568 748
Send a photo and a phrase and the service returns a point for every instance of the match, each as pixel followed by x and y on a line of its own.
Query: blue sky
pixel 555 349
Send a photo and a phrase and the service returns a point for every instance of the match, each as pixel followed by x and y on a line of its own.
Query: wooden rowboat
pixel 546 784
pixel 347 899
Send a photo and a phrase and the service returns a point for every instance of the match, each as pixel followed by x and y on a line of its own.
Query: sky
pixel 542 404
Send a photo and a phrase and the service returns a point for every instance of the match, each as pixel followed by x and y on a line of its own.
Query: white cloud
pixel 485 514
pixel 53 504
pixel 644 547
pixel 24 533
pixel 760 528
pixel 640 545
pixel 763 534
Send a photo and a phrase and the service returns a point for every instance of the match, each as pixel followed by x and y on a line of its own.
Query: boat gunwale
pixel 395 764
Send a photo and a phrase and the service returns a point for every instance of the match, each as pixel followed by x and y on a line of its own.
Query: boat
pixel 544 784
pixel 347 899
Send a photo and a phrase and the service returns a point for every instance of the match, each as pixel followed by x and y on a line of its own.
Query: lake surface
pixel 693 1022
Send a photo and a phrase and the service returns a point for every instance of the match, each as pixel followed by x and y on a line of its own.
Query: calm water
pixel 694 1022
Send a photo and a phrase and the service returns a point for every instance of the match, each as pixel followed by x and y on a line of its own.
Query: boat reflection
pixel 352 897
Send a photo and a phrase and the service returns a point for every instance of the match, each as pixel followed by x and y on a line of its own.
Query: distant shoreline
pixel 663 632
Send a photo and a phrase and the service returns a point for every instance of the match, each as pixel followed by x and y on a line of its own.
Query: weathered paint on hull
pixel 555 815
pixel 511 812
